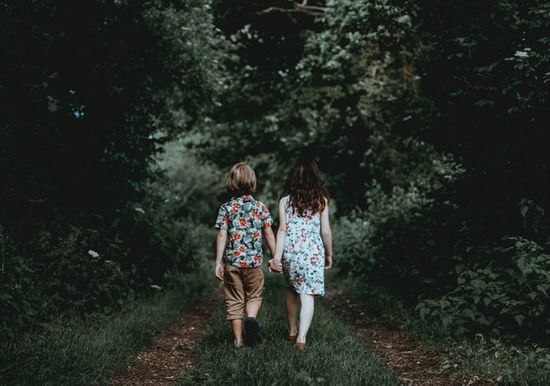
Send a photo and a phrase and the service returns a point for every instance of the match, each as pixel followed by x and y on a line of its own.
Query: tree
pixel 89 90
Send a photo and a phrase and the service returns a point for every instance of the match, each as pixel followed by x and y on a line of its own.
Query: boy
pixel 240 223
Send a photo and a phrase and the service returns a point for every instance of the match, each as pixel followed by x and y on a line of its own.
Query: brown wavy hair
pixel 305 187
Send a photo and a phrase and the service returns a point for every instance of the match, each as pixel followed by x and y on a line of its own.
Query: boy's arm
pixel 270 240
pixel 326 235
pixel 221 240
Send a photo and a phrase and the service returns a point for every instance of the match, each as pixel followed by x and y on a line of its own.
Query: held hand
pixel 328 262
pixel 218 271
pixel 275 265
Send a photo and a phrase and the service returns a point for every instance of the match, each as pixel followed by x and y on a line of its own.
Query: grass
pixel 334 355
pixel 72 351
pixel 499 362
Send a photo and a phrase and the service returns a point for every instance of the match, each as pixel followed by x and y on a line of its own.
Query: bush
pixel 80 269
pixel 19 296
pixel 83 227
pixel 398 237
pixel 62 272
pixel 505 297
pixel 158 242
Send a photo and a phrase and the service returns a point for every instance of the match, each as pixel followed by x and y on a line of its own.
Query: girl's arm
pixel 326 235
pixel 221 240
pixel 281 235
pixel 270 240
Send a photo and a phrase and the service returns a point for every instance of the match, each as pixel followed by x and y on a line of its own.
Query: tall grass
pixel 73 351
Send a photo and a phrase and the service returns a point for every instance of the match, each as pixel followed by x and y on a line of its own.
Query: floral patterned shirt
pixel 244 218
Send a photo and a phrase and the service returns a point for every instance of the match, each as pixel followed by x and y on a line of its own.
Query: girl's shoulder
pixel 284 200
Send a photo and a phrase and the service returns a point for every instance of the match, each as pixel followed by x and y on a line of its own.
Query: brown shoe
pixel 292 338
pixel 300 346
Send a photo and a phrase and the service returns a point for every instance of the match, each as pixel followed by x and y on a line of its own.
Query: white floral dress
pixel 304 253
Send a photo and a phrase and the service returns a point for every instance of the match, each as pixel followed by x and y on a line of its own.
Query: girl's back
pixel 307 223
pixel 304 253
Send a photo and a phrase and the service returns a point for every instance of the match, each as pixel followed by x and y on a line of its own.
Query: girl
pixel 304 244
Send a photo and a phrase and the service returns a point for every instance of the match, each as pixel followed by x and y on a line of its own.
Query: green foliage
pixel 503 297
pixel 72 351
pixel 428 120
pixel 485 73
pixel 20 300
pixel 74 275
pixel 179 212
pixel 396 236
pixel 86 106
pixel 61 272
pixel 346 83
pixel 492 359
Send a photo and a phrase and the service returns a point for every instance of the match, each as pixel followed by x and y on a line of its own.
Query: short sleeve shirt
pixel 244 218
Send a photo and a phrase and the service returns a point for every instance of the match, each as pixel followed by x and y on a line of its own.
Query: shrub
pixel 68 271
pixel 505 297
pixel 79 269
pixel 398 238
pixel 19 296
pixel 97 265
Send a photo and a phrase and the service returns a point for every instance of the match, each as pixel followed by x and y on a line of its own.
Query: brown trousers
pixel 241 286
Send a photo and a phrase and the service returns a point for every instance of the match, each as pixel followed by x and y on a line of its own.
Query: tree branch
pixel 297 8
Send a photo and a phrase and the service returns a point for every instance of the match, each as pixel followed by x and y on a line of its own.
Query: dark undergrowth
pixel 500 362
pixel 73 351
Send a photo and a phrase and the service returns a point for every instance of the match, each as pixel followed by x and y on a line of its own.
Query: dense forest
pixel 428 119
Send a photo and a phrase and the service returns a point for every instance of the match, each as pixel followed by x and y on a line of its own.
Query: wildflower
pixel 521 54
pixel 93 253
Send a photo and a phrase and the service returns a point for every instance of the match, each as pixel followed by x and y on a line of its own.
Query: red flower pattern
pixel 244 218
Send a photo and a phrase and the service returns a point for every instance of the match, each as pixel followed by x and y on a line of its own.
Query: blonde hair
pixel 241 179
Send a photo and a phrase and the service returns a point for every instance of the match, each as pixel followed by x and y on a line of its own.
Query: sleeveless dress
pixel 304 253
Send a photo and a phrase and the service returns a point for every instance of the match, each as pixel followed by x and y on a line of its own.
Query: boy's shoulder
pixel 258 204
pixel 246 200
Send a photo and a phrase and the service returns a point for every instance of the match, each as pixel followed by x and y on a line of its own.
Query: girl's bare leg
pixel 306 316
pixel 292 311
pixel 252 309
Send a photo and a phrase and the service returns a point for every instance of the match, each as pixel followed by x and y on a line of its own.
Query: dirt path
pixel 414 364
pixel 172 353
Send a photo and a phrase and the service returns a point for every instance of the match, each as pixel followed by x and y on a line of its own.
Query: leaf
pixel 542 288
pixel 469 313
pixel 519 319
pixel 53 104
pixel 424 312
pixel 485 103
